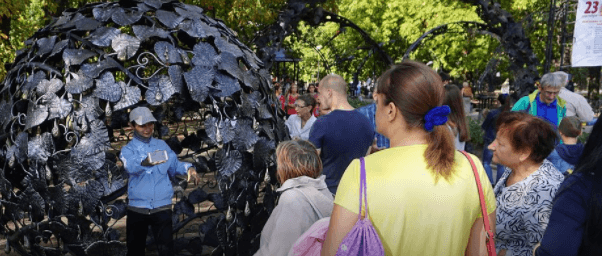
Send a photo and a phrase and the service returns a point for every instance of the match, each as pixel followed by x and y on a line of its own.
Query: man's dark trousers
pixel 137 230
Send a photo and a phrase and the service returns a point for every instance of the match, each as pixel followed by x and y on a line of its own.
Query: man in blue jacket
pixel 544 102
pixel 149 186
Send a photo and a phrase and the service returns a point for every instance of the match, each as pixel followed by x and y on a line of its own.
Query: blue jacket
pixel 150 187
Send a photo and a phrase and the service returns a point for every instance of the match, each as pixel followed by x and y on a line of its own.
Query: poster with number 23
pixel 587 37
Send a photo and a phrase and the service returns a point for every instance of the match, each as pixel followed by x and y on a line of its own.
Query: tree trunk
pixel 5 27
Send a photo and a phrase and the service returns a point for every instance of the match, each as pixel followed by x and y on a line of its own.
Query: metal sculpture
pixel 71 87
pixel 523 62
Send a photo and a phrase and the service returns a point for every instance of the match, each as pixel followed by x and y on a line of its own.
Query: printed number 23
pixel 592 7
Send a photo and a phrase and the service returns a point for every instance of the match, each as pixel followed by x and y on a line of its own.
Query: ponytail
pixel 440 152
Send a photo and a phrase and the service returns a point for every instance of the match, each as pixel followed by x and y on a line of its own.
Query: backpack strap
pixel 363 188
pixel 313 206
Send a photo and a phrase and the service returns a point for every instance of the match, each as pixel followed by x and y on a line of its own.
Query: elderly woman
pixel 544 102
pixel 422 194
pixel 305 197
pixel 300 124
pixel 525 191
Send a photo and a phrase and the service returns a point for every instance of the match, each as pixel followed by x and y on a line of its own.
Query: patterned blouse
pixel 523 209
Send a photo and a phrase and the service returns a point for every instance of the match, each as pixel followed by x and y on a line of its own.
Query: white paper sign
pixel 587 37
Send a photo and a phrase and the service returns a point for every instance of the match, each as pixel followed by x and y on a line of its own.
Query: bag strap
pixel 363 189
pixel 490 237
pixel 313 206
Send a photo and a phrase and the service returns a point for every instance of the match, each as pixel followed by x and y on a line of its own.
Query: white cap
pixel 142 115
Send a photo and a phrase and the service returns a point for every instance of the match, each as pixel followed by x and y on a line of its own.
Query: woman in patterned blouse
pixel 525 191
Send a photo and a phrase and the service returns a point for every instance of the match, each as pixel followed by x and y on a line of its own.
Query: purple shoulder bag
pixel 362 239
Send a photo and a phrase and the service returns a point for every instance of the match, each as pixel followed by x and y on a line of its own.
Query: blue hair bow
pixel 436 116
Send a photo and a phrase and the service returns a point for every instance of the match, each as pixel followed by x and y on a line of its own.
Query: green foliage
pixel 23 22
pixel 583 137
pixel 357 103
pixel 476 133
pixel 396 24
pixel 245 17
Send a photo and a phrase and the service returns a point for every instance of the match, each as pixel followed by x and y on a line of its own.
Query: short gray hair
pixel 553 80
pixel 564 76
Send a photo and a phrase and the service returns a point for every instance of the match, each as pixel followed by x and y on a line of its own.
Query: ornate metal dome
pixel 66 98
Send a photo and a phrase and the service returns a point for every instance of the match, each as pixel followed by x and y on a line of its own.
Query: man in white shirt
pixel 300 124
pixel 576 105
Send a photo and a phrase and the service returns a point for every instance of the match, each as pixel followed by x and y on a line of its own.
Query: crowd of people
pixel 425 196
pixel 544 199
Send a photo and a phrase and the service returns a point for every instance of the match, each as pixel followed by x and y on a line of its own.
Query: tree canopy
pixel 395 25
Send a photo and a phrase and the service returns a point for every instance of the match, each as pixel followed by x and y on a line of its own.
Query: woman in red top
pixel 290 98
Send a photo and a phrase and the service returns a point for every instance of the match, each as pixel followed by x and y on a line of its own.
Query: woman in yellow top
pixel 422 194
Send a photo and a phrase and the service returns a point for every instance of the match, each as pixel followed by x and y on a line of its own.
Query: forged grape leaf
pixel 86 24
pixel 189 11
pixel 123 18
pixel 107 89
pixel 175 74
pixel 76 56
pixel 145 32
pixel 59 47
pixel 169 19
pixel 40 147
pixel 228 162
pixel 103 14
pixel 33 80
pixel 225 46
pixel 49 86
pixel 229 63
pixel 90 151
pixel 79 83
pixel 5 115
pixel 131 95
pixel 245 135
pixel 159 91
pixel 168 53
pixel 103 36
pixel 154 3
pixel 57 107
pixel 45 45
pixel 36 115
pixel 89 108
pixel 250 80
pixel 126 46
pixel 204 55
pixel 226 84
pixel 93 70
pixel 198 80
pixel 198 29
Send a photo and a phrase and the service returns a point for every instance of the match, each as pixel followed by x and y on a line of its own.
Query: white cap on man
pixel 142 115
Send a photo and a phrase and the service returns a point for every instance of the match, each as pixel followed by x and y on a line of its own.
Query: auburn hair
pixel 415 89
pixel 527 132
pixel 296 158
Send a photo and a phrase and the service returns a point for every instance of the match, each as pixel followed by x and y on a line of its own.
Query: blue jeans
pixel 487 156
